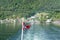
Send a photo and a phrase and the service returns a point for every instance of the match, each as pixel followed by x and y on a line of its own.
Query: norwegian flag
pixel 25 26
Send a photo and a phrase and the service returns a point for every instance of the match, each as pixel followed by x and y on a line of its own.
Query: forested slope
pixel 26 8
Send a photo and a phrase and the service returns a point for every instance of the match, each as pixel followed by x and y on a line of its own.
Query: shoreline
pixel 57 22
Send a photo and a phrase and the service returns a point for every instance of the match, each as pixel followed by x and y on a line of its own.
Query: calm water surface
pixel 36 32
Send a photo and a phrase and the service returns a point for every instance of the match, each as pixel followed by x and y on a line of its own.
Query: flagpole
pixel 22 32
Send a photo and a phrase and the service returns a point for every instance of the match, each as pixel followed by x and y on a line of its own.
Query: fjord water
pixel 8 30
pixel 41 31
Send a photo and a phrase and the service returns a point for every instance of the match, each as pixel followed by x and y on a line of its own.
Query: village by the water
pixel 12 28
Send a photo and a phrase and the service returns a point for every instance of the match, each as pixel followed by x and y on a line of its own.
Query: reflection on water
pixel 7 30
pixel 41 31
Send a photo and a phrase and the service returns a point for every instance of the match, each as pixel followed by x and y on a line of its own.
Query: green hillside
pixel 26 8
